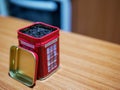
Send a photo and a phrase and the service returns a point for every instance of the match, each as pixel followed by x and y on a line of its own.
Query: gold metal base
pixel 22 65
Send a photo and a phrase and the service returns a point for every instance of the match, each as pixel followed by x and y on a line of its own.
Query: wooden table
pixel 86 63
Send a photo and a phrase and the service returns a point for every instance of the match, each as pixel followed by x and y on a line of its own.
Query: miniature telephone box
pixel 37 55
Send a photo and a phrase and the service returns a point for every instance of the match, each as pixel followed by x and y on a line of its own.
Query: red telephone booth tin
pixel 43 40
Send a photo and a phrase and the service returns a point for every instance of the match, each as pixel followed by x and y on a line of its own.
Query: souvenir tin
pixel 40 54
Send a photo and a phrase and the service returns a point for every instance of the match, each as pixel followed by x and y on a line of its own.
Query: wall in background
pixel 97 18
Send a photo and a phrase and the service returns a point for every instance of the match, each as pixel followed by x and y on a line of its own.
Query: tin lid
pixel 23 65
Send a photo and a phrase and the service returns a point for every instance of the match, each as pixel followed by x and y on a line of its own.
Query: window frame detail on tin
pixel 51 52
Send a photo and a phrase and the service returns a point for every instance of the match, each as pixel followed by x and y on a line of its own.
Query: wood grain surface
pixel 85 63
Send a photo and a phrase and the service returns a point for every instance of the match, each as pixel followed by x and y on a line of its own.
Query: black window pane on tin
pixel 50 17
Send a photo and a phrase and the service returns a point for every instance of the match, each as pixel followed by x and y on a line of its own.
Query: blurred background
pixel 95 18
